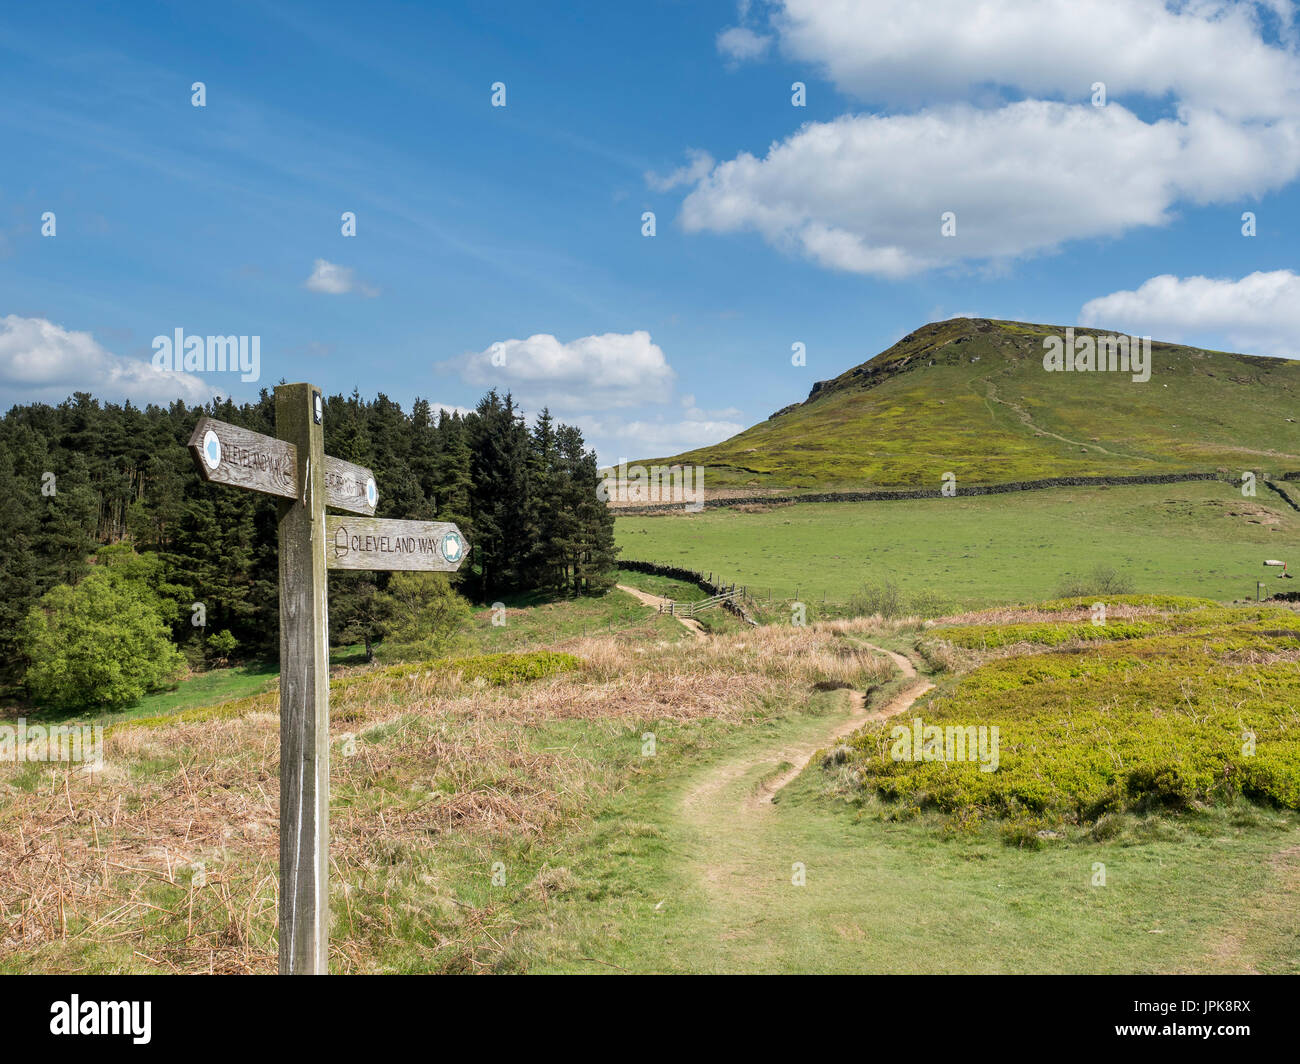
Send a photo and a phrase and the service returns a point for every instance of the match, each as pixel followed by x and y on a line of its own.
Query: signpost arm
pixel 304 694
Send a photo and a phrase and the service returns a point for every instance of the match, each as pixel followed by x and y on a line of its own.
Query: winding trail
pixel 692 625
pixel 729 823
pixel 729 880
pixel 800 755
pixel 796 754
pixel 702 797
pixel 1027 419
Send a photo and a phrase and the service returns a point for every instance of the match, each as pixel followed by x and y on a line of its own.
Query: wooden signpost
pixel 294 467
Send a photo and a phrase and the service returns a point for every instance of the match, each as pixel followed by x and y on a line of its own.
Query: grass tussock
pixel 166 859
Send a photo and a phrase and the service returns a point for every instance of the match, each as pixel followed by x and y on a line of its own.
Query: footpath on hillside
pixel 692 625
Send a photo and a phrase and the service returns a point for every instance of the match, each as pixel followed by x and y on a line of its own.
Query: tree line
pixel 83 475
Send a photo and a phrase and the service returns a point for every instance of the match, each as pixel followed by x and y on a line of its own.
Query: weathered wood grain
pixel 375 543
pixel 350 487
pixel 304 698
pixel 246 459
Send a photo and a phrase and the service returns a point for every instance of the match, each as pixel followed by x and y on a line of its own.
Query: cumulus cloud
pixel 44 362
pixel 1209 55
pixel 600 372
pixel 740 43
pixel 865 193
pixel 1259 313
pixel 335 280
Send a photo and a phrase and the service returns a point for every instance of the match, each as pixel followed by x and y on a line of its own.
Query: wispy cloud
pixel 696 169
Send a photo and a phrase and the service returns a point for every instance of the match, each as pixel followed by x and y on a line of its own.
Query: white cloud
pixel 1209 54
pixel 450 408
pixel 1259 313
pixel 605 371
pixel 698 166
pixel 694 413
pixel 335 280
pixel 865 193
pixel 652 439
pixel 740 43
pixel 44 362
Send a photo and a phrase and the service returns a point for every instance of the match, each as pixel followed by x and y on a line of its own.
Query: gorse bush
pixel 221 645
pixel 1192 707
pixel 497 670
pixel 871 600
pixel 1210 619
pixel 928 604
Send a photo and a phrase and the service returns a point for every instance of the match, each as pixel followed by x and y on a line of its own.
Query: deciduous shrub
pixel 101 643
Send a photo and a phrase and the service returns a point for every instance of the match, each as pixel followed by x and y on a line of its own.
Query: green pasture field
pixel 1200 538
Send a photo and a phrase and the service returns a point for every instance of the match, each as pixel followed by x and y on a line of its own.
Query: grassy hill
pixel 971 397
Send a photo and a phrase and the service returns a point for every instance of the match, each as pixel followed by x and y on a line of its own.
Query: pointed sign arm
pixel 374 543
pixel 228 454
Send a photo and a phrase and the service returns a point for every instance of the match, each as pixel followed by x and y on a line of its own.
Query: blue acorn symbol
pixel 451 547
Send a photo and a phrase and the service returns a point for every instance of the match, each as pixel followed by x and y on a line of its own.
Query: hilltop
pixel 970 396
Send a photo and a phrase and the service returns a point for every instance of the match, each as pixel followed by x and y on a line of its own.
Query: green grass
pixel 534 621
pixel 530 622
pixel 499 670
pixel 988 412
pixel 1199 539
pixel 654 890
pixel 608 867
pixel 663 586
pixel 200 689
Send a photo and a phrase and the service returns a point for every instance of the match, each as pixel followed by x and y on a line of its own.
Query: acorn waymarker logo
pixel 211 449
pixel 452 547
pixel 74 1016
pixel 379 543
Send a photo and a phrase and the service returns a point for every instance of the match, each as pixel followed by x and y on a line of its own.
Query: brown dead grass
pixel 98 870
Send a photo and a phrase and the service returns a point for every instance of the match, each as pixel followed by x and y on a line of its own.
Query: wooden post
pixel 304 693
pixel 295 469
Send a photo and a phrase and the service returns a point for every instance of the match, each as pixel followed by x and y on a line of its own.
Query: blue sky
pixel 521 226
